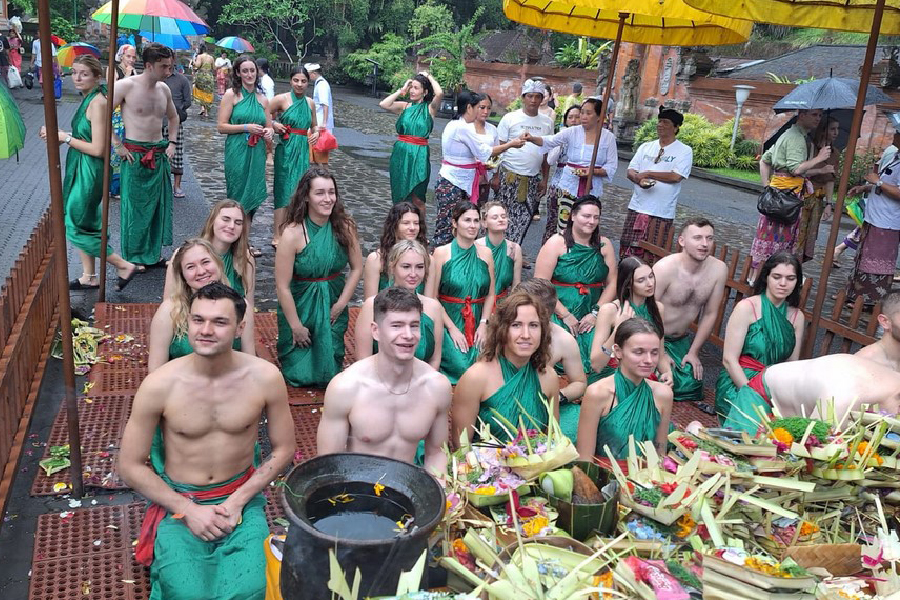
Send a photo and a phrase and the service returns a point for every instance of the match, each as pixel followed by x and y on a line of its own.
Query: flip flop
pixel 179 193
pixel 162 264
pixel 76 284
pixel 123 282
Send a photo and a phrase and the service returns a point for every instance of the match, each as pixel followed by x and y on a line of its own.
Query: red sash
pixel 583 288
pixel 148 160
pixel 502 294
pixel 253 139
pixel 288 130
pixel 480 171
pixel 413 139
pixel 143 552
pixel 326 278
pixel 756 382
pixel 583 187
pixel 467 313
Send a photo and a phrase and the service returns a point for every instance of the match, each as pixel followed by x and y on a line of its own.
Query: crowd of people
pixel 450 310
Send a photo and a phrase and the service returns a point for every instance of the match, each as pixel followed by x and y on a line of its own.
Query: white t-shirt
pixel 222 62
pixel 579 153
pixel 36 52
pixel 460 145
pixel 660 200
pixel 322 97
pixel 268 86
pixel 881 210
pixel 526 160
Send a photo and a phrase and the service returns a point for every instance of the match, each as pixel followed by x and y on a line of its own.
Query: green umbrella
pixel 12 128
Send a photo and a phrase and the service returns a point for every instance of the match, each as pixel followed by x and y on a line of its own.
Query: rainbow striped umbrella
pixel 70 52
pixel 238 44
pixel 176 42
pixel 169 17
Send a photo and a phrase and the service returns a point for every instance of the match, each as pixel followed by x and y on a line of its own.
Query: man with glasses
pixel 656 170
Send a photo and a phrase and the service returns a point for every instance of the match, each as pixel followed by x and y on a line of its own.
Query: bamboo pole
pixel 849 153
pixel 59 239
pixel 107 150
pixel 613 60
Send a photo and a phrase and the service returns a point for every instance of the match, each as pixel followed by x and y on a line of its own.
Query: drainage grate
pixel 306 424
pixel 685 412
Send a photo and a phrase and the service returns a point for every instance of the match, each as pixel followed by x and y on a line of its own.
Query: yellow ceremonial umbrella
pixel 874 16
pixel 641 22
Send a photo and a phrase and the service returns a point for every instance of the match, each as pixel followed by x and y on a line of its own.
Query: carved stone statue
pixel 626 107
pixel 602 73
pixel 890 67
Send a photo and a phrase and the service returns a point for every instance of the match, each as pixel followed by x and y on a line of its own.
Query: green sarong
pixel 465 282
pixel 634 413
pixel 569 414
pixel 769 340
pixel 686 387
pixel 641 311
pixel 579 277
pixel 317 284
pixel 233 279
pixel 245 155
pixel 425 349
pixel 83 186
pixel 292 153
pixel 503 267
pixel 518 398
pixel 410 166
pixel 187 568
pixel 146 203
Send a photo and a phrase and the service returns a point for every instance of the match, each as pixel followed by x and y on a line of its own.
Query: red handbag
pixel 326 142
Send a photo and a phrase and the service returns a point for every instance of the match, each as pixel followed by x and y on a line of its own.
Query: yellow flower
pixel 783 435
pixel 533 526
pixel 488 490
pixel 379 487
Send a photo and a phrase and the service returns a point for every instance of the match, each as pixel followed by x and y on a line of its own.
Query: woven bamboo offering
pixel 841 560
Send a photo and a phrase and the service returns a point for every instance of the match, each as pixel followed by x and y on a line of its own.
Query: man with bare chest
pixel 197 417
pixel 387 403
pixel 146 188
pixel 691 285
pixel 886 351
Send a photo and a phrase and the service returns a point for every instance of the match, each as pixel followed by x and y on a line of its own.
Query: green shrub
pixel 390 53
pixel 710 143
pixel 862 164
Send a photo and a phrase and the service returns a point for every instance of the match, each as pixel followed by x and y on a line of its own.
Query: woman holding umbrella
pixel 244 118
pixel 83 186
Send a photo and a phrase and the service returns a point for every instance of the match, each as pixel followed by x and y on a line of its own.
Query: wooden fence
pixel 28 316
pixel 841 332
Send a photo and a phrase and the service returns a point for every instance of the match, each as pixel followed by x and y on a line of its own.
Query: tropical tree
pixel 273 19
pixel 448 52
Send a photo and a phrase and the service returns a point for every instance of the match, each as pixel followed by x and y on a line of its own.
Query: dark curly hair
pixel 389 230
pixel 341 222
pixel 503 317
pixel 236 84
pixel 426 86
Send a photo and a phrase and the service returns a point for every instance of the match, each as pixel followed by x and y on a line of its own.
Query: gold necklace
pixel 387 387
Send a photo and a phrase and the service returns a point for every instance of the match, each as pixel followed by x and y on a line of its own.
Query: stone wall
pixel 503 81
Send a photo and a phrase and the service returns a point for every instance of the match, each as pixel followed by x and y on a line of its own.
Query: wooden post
pixel 57 212
pixel 613 59
pixel 849 153
pixel 107 150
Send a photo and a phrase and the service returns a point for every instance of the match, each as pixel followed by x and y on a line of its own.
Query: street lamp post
pixel 741 93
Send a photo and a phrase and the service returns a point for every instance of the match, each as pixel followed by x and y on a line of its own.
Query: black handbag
pixel 780 205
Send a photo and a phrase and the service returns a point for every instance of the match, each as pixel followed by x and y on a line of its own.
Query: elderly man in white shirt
pixel 656 170
pixel 523 171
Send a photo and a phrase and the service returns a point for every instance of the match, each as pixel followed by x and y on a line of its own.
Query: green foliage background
pixel 709 142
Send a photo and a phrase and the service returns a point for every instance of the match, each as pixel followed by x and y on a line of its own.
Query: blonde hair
pixel 401 248
pixel 240 250
pixel 487 206
pixel 181 291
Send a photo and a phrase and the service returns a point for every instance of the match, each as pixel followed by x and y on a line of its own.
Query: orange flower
pixel 862 447
pixel 783 435
pixel 808 528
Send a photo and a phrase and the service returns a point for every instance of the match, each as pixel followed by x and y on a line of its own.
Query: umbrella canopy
pixel 843 15
pixel 70 52
pixel 169 17
pixel 844 118
pixel 58 41
pixel 829 92
pixel 238 44
pixel 176 42
pixel 600 19
pixel 12 127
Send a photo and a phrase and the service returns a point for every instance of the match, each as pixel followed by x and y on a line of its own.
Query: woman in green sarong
pixel 763 330
pixel 635 288
pixel 410 166
pixel 403 222
pixel 408 263
pixel 507 254
pixel 83 184
pixel 512 377
pixel 194 265
pixel 318 241
pixel 462 279
pixel 244 118
pixel 582 265
pixel 297 129
pixel 627 403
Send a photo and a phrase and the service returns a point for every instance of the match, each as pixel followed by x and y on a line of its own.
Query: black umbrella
pixel 830 92
pixel 843 115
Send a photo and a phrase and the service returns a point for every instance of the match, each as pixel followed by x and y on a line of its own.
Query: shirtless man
pixel 796 387
pixel 387 403
pixel 886 351
pixel 563 347
pixel 146 187
pixel 197 418
pixel 691 285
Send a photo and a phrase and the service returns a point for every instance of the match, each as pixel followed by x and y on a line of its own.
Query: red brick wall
pixel 503 81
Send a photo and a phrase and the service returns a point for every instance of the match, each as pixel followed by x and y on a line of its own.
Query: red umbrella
pixel 57 40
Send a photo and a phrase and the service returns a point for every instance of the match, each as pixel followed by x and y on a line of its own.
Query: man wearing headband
pixel 523 171
pixel 322 96
pixel 657 170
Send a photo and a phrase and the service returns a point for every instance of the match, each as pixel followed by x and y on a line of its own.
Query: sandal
pixel 705 407
pixel 179 193
pixel 123 282
pixel 76 284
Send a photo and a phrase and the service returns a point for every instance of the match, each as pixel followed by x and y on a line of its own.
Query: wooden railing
pixel 28 316
pixel 840 332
